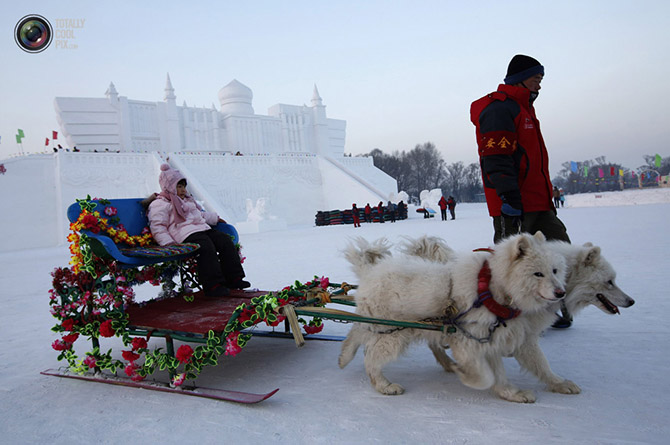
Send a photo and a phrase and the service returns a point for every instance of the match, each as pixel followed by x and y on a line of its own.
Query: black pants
pixel 546 222
pixel 218 260
pixel 443 212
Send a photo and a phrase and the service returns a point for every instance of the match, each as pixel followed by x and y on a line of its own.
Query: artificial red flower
pixel 90 222
pixel 106 329
pixel 313 329
pixel 136 378
pixel 324 282
pixel 139 343
pixel 71 338
pixel 184 353
pixel 130 356
pixel 68 324
pixel 279 319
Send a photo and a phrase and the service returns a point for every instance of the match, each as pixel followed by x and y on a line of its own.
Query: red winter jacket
pixel 512 154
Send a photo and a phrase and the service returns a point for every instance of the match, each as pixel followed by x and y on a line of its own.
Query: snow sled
pixel 428 213
pixel 112 252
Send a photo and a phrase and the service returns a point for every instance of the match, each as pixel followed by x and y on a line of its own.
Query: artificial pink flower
pixel 232 348
pixel 106 329
pixel 324 282
pixel 184 353
pixel 110 211
pixel 130 369
pixel 60 345
pixel 90 361
pixel 178 379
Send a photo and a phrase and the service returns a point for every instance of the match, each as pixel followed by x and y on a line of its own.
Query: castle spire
pixel 111 93
pixel 316 99
pixel 169 91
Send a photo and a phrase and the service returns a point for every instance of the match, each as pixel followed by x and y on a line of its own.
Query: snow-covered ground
pixel 619 361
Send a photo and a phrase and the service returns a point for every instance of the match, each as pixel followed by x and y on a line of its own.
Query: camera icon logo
pixel 33 33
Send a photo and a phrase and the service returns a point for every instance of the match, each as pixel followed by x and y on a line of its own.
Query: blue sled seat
pixel 132 215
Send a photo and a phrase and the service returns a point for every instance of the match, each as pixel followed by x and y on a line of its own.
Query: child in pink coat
pixel 175 217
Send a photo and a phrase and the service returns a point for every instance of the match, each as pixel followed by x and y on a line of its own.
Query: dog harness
pixel 485 298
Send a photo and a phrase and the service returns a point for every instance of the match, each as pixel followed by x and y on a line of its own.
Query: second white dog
pixel 486 299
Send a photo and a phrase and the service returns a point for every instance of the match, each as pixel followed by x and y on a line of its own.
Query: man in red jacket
pixel 513 157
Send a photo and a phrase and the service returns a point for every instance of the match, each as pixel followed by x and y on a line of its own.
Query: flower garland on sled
pixel 89 300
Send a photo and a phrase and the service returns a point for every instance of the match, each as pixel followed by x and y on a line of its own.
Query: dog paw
pixel 343 361
pixel 565 387
pixel 518 395
pixel 392 390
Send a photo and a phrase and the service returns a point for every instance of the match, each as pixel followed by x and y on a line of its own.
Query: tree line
pixel 599 175
pixel 423 168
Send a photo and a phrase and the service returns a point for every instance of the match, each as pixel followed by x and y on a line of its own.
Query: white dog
pixel 485 299
pixel 590 279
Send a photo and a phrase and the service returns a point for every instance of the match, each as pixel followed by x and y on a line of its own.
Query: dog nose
pixel 559 293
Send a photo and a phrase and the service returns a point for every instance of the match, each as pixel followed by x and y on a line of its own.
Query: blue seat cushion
pixel 159 251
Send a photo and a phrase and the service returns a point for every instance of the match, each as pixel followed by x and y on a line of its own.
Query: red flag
pixel 611 171
pixel 54 135
pixel 46 142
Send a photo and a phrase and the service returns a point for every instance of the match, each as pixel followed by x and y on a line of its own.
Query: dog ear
pixel 592 255
pixel 540 236
pixel 587 244
pixel 522 246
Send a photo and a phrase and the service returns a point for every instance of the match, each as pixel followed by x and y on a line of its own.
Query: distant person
pixel 442 203
pixel 562 198
pixel 175 217
pixel 356 215
pixel 368 213
pixel 514 159
pixel 557 197
pixel 391 211
pixel 451 203
pixel 380 211
pixel 402 211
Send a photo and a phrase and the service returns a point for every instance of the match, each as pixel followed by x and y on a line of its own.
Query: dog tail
pixel 363 254
pixel 430 248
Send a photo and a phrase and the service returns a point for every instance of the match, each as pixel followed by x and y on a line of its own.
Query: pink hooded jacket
pixel 173 219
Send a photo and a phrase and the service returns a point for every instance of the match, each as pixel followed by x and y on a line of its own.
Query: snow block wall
pixel 36 191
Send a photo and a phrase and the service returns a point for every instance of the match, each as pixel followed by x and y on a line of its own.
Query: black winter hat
pixel 521 68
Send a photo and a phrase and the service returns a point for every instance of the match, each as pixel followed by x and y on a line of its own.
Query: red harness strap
pixel 486 298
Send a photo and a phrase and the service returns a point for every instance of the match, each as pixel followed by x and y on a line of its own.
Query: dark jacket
pixel 512 154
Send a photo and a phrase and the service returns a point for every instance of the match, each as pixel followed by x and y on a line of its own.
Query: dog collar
pixel 485 297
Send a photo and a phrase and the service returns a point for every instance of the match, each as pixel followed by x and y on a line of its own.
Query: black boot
pixel 564 320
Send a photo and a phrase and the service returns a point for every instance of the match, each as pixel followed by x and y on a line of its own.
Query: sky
pixel 400 73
